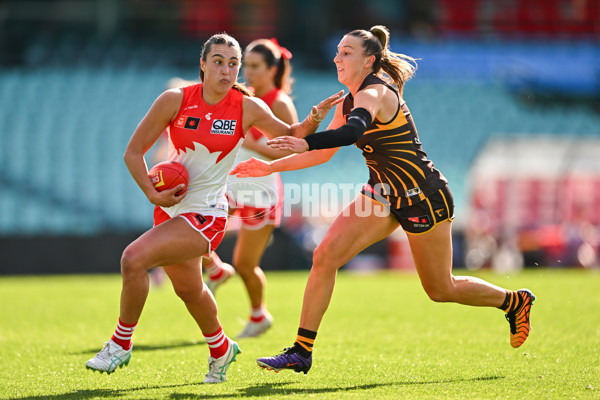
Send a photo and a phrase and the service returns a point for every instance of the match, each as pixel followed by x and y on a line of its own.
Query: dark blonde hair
pixel 223 38
pixel 398 67
pixel 274 55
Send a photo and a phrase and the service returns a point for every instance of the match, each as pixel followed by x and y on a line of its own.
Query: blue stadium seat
pixel 65 123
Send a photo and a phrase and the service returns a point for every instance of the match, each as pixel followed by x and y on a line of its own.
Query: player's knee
pixel 187 293
pixel 323 259
pixel 245 272
pixel 131 262
pixel 319 257
pixel 438 293
pixel 242 267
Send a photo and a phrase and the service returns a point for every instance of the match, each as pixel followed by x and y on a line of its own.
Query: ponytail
pixel 242 88
pixel 399 68
pixel 278 56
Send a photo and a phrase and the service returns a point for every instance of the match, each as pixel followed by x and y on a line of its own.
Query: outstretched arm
pixel 260 146
pixel 348 132
pixel 316 116
pixel 258 115
pixel 254 167
pixel 284 109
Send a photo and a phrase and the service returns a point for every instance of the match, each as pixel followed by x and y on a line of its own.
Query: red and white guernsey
pixel 205 139
pixel 266 190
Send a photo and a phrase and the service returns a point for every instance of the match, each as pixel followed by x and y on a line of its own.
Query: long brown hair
pixel 398 67
pixel 223 38
pixel 275 55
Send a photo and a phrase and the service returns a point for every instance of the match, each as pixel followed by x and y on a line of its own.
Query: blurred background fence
pixel 506 100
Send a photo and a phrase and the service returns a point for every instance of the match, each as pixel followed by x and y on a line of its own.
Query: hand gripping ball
pixel 167 175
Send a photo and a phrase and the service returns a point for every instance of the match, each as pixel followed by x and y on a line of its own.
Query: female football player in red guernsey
pixel 267 70
pixel 404 190
pixel 207 123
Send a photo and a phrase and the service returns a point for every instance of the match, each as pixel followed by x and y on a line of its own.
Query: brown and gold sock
pixel 305 341
pixel 510 301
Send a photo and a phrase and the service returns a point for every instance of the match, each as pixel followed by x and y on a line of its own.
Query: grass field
pixel 382 338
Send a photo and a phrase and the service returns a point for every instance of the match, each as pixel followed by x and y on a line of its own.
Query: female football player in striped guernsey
pixel 404 189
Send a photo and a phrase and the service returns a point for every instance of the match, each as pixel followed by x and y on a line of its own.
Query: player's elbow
pixel 130 155
pixel 127 155
pixel 355 134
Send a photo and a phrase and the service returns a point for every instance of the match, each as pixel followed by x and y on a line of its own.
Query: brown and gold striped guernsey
pixel 398 167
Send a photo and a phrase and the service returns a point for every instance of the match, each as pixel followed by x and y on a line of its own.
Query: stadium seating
pixel 66 117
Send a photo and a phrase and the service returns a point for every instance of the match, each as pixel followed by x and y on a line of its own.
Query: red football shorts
pixel 254 218
pixel 257 217
pixel 210 227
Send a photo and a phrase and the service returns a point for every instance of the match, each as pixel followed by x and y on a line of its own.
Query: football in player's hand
pixel 169 174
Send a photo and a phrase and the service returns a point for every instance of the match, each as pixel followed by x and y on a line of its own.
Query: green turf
pixel 382 338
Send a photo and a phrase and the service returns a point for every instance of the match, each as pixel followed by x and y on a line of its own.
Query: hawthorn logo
pixel 187 122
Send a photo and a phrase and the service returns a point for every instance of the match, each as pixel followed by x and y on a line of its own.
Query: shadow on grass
pixel 102 393
pixel 266 389
pixel 150 347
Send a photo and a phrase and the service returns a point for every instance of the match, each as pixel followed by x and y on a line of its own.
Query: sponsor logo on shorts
pixel 423 221
pixel 223 127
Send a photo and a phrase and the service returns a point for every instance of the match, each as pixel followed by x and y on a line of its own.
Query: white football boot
pixel 254 329
pixel 217 367
pixel 109 358
pixel 228 272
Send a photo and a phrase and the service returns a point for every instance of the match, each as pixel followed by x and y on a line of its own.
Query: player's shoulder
pixel 170 99
pixel 283 99
pixel 254 104
pixel 375 92
pixel 172 94
pixel 374 87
